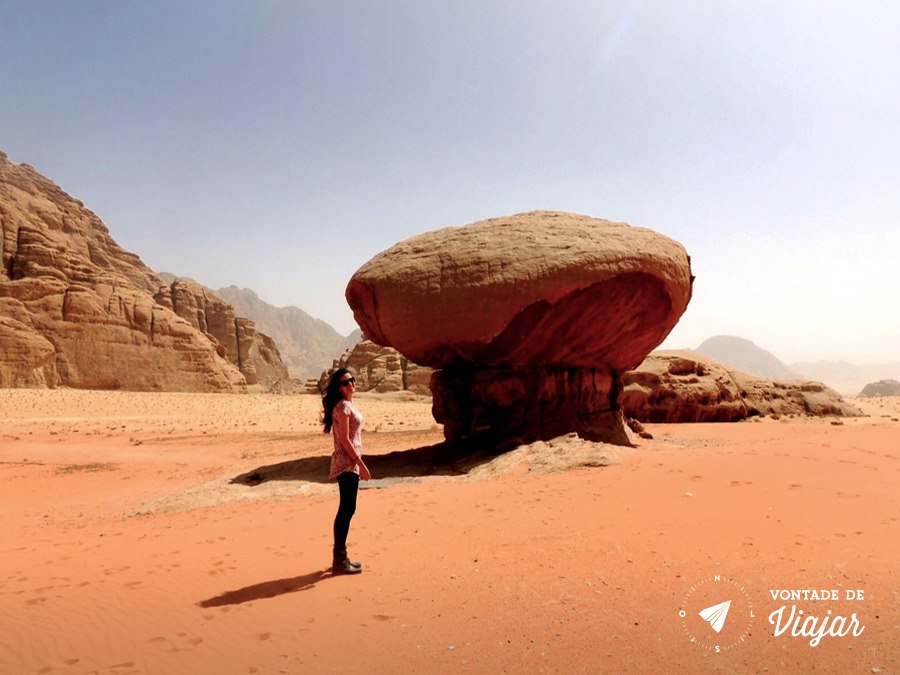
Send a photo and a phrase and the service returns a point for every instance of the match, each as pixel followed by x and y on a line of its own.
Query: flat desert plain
pixel 185 533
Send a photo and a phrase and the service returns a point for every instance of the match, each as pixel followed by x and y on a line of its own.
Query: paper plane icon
pixel 716 614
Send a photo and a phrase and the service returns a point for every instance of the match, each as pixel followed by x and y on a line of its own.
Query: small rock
pixel 635 425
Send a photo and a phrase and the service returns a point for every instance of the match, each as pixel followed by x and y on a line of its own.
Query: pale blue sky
pixel 279 145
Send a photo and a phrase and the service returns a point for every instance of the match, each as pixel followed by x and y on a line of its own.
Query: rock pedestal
pixel 501 404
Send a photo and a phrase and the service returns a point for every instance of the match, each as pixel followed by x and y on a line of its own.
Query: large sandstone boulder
pixel 78 310
pixel 527 319
pixel 686 386
pixel 380 369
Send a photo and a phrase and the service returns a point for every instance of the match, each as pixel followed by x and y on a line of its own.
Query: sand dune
pixel 183 533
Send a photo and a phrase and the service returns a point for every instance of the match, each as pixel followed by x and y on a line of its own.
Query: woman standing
pixel 345 422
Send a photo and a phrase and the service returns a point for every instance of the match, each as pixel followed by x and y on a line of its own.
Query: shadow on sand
pixel 268 589
pixel 443 459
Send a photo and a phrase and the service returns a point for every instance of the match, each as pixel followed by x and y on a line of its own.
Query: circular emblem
pixel 717 614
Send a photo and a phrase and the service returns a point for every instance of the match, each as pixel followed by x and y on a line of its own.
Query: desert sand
pixel 191 533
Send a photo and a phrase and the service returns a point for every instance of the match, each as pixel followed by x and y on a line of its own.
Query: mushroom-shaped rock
pixel 527 319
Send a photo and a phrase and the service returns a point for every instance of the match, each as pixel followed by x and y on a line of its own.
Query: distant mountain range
pixel 746 357
pixel 846 378
pixel 307 345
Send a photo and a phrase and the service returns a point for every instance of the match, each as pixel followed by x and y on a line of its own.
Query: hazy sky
pixel 279 145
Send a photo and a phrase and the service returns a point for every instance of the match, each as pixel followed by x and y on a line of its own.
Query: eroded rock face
pixel 234 338
pixel 380 369
pixel 78 310
pixel 685 386
pixel 527 319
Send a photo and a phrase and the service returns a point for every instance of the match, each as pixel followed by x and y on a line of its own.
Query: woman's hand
pixel 364 472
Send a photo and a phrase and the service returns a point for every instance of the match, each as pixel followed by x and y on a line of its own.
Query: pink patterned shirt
pixel 340 461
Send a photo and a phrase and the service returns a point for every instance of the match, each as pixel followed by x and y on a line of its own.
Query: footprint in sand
pixel 186 642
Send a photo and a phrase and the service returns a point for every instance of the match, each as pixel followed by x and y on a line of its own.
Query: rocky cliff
pixel 379 369
pixel 78 310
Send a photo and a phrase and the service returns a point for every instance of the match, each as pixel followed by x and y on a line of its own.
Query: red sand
pixel 125 549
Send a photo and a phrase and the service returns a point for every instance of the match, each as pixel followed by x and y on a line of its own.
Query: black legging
pixel 348 482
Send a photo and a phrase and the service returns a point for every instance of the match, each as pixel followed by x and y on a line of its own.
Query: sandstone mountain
pixel 78 310
pixel 307 345
pixel 881 388
pixel 745 356
pixel 685 386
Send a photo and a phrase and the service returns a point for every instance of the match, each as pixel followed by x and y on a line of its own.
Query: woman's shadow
pixel 268 589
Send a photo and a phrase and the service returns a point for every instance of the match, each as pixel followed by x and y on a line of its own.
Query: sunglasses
pixel 349 380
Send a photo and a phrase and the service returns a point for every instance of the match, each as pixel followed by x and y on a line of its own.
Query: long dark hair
pixel 333 396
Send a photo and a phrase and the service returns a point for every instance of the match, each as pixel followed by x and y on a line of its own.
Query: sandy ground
pixel 180 533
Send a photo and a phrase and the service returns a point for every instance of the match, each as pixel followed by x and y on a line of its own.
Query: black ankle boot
pixel 341 564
